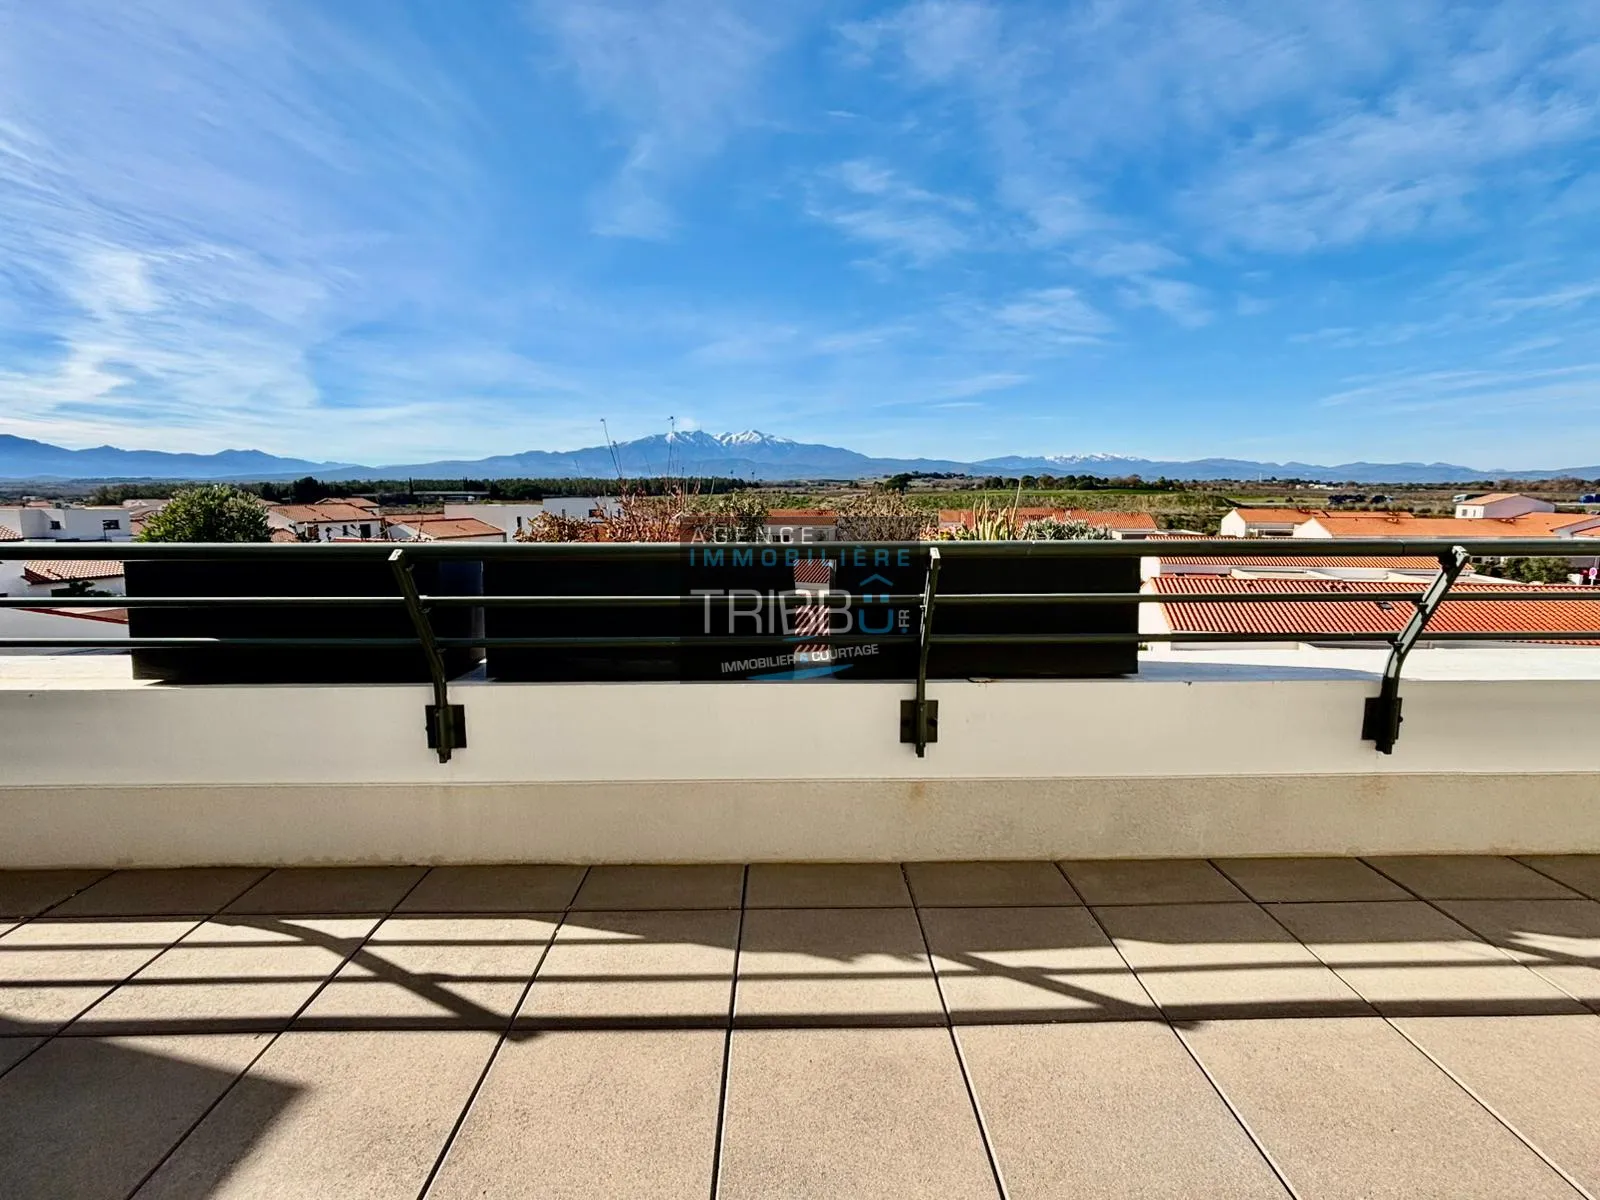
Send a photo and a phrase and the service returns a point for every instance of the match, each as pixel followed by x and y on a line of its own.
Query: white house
pixel 803 525
pixel 328 520
pixel 439 527
pixel 68 522
pixel 1265 522
pixel 1501 504
pixel 583 508
pixel 510 518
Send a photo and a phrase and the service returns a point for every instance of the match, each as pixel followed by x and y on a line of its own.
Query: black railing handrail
pixel 379 551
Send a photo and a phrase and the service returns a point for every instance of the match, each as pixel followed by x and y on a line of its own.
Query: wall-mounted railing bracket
pixel 919 718
pixel 447 723
pixel 1380 719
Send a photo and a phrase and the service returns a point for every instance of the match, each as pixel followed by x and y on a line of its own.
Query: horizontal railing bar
pixel 1555 594
pixel 1229 548
pixel 789 640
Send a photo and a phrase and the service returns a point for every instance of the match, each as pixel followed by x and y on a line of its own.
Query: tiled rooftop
pixel 1338 1027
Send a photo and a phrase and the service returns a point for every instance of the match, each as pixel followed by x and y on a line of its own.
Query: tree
pixel 880 517
pixel 1537 570
pixel 214 513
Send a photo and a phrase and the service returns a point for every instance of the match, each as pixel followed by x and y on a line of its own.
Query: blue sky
pixel 385 231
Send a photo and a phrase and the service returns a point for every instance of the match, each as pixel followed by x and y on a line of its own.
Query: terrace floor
pixel 1318 1028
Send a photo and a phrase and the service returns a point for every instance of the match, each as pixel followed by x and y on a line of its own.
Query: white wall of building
pixel 1510 506
pixel 581 507
pixel 110 523
pixel 150 775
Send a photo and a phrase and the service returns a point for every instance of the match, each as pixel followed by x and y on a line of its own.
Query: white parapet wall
pixel 109 772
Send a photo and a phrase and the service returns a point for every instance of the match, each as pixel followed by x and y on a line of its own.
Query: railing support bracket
pixel 447 723
pixel 919 718
pixel 1380 718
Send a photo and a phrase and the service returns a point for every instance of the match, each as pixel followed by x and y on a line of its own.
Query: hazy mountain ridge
pixel 748 455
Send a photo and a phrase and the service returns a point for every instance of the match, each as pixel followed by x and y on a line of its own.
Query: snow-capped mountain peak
pixel 753 437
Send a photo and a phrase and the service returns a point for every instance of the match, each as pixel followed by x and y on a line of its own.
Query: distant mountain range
pixel 747 455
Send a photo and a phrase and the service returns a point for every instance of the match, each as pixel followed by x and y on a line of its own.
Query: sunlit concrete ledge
pixel 1205 760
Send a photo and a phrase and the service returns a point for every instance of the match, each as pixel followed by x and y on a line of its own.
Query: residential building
pixel 1409 525
pixel 44 577
pixel 512 519
pixel 438 527
pixel 1381 567
pixel 1265 522
pixel 1186 611
pixel 802 525
pixel 583 508
pixel 1501 504
pixel 328 520
pixel 43 521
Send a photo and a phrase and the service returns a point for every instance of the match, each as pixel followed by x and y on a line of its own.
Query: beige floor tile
pixel 1580 872
pixel 14 1049
pixel 827 885
pixel 1540 1074
pixel 50 971
pixel 27 893
pixel 620 968
pixel 1114 1110
pixel 328 891
pixel 834 1114
pixel 1407 957
pixel 1558 940
pixel 530 889
pixel 1348 1108
pixel 617 1115
pixel 1029 964
pixel 367 1117
pixel 1222 960
pixel 435 972
pixel 976 884
pixel 230 974
pixel 835 966
pixel 1310 879
pixel 1470 877
pixel 1149 881
pixel 643 888
pixel 86 1119
pixel 196 892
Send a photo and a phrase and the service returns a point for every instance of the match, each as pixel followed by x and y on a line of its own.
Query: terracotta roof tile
pixel 1579 610
pixel 45 571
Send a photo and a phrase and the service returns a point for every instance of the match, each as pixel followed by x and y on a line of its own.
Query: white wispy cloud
pixel 869 202
pixel 677 78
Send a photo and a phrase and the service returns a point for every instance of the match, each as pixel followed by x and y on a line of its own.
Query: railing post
pixel 1380 722
pixel 446 722
pixel 919 718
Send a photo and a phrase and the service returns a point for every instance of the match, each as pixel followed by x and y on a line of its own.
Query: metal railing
pixel 919 720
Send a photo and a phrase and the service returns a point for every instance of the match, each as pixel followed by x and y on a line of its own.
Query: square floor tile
pixel 1107 1111
pixel 27 893
pixel 622 1115
pixel 1347 1107
pixel 1310 879
pixel 1030 964
pixel 1223 960
pixel 1581 872
pixel 621 969
pixel 86 1118
pixel 1558 940
pixel 1407 957
pixel 341 1115
pixel 441 972
pixel 530 889
pixel 849 1113
pixel 229 974
pixel 328 891
pixel 827 885
pixel 50 970
pixel 1149 881
pixel 976 884
pixel 1471 877
pixel 835 966
pixel 198 891
pixel 629 888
